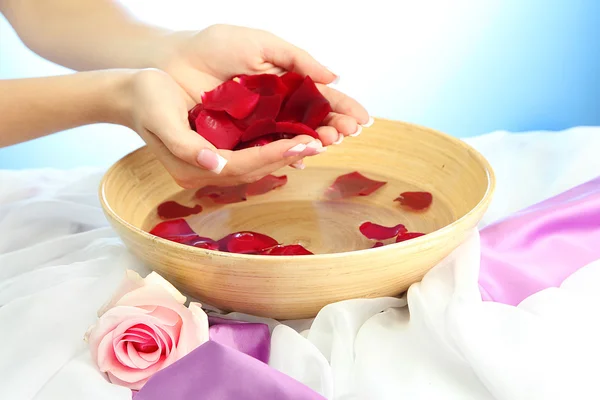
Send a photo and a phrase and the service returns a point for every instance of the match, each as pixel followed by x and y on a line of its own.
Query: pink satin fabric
pixel 541 246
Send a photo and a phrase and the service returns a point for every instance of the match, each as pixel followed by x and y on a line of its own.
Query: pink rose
pixel 144 328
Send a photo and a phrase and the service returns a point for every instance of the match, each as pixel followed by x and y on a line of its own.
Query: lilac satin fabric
pixel 217 372
pixel 249 338
pixel 541 246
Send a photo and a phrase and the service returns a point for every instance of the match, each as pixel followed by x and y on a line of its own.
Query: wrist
pixel 116 99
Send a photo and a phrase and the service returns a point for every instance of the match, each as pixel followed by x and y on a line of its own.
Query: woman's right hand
pixel 159 114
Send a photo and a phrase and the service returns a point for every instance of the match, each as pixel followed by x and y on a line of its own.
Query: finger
pixel 345 125
pixel 328 135
pixel 343 104
pixel 285 55
pixel 280 152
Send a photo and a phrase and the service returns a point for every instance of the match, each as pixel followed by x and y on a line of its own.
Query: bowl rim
pixel 416 242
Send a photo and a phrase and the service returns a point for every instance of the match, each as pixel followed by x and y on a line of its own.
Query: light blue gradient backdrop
pixel 463 67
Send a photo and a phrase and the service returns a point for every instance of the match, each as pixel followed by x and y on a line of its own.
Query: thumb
pixel 287 56
pixel 192 148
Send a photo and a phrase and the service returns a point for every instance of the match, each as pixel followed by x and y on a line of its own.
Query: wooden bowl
pixel 408 157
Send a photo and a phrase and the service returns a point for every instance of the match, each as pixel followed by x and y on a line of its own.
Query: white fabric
pixel 59 261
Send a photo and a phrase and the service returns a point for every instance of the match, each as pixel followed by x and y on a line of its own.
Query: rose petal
pixel 138 361
pixel 176 230
pixel 415 200
pixel 306 105
pixel 167 336
pixel 380 232
pixel 259 128
pixel 223 194
pixel 377 244
pixel 264 84
pixel 218 128
pixel 407 236
pixel 266 184
pixel 154 278
pixel 231 97
pixel 246 242
pixel 267 109
pixel 292 81
pixel 172 209
pixel 352 184
pixel 286 250
pixel 166 316
pixel 193 114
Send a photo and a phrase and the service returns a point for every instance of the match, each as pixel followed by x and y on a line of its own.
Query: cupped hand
pixel 159 109
pixel 200 61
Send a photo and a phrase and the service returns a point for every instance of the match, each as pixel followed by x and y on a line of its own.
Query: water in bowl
pixel 298 212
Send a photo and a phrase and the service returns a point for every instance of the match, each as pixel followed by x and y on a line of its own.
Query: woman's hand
pixel 159 109
pixel 199 61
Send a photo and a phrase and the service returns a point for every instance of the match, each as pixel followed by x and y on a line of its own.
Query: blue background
pixel 513 65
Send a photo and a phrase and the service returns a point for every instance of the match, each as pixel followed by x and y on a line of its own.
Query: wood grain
pixel 406 155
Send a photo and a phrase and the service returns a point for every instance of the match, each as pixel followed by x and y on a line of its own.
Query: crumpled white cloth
pixel 59 262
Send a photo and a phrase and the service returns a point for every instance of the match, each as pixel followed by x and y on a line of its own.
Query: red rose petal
pixel 258 129
pixel 266 184
pixel 295 128
pixel 407 236
pixel 218 128
pixel 380 232
pixel 292 81
pixel 174 228
pixel 377 244
pixel 352 184
pixel 286 250
pixel 246 242
pixel 231 97
pixel 223 194
pixel 178 230
pixel 306 105
pixel 264 84
pixel 415 200
pixel 267 109
pixel 193 114
pixel 172 209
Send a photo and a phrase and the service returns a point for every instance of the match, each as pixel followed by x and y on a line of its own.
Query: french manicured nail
pixel 358 131
pixel 295 151
pixel 298 165
pixel 369 123
pixel 340 139
pixel 211 161
pixel 336 81
pixel 313 148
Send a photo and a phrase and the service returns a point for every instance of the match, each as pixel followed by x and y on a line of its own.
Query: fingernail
pixel 336 80
pixel 369 123
pixel 313 148
pixel 358 131
pixel 211 161
pixel 298 165
pixel 340 139
pixel 296 150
